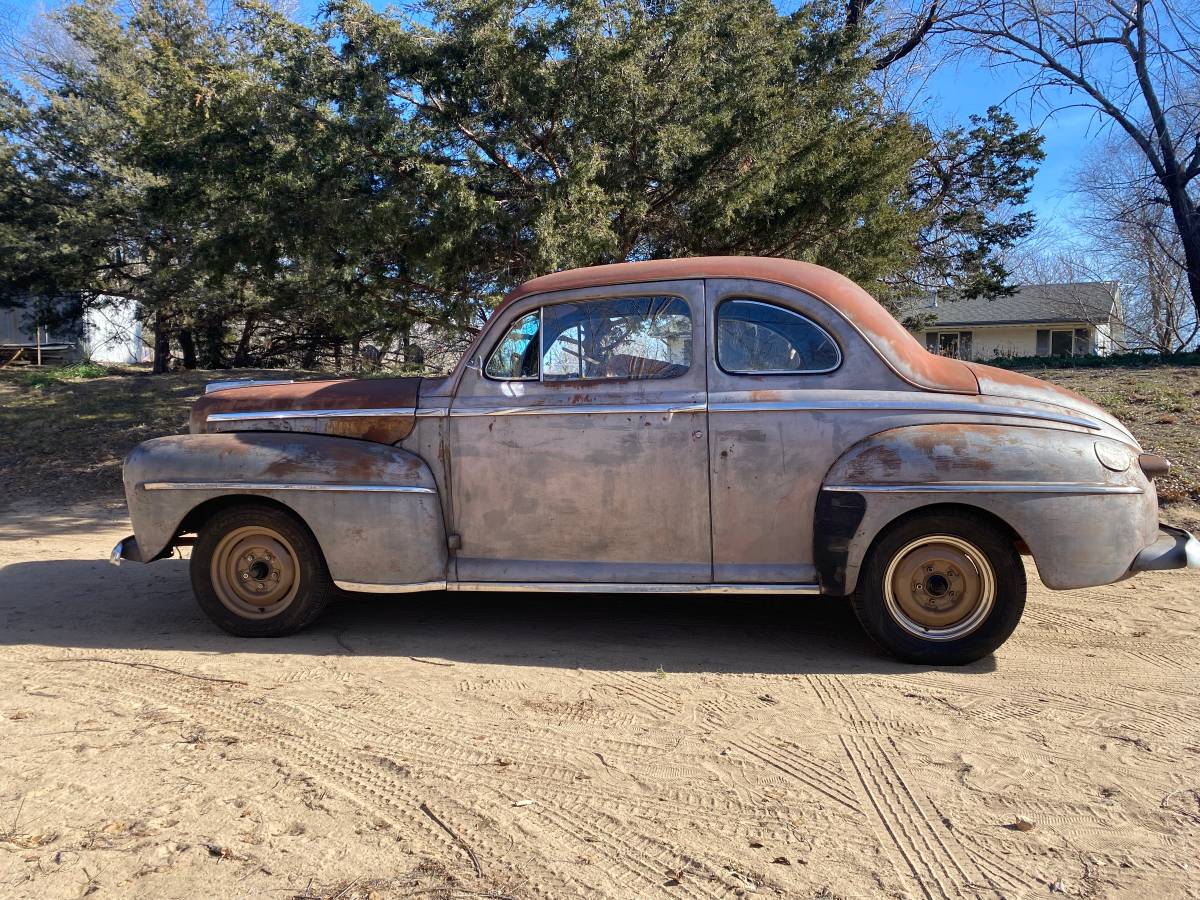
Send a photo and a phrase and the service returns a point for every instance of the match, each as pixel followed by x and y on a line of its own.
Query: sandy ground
pixel 540 746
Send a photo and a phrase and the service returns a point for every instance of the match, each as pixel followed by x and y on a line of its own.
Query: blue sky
pixel 956 91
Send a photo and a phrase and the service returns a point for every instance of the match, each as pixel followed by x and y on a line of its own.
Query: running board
pixel 579 587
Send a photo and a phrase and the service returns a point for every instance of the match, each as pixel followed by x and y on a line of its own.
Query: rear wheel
pixel 257 571
pixel 945 589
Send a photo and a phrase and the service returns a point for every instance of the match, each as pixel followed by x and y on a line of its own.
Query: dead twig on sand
pixel 142 665
pixel 344 890
pixel 446 828
pixel 430 662
pixel 12 829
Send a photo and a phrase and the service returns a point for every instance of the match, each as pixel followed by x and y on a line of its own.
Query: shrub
pixel 58 374
pixel 1115 361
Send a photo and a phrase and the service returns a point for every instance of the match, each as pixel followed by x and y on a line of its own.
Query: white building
pixel 108 332
pixel 1037 320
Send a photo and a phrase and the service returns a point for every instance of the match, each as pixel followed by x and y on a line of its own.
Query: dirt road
pixel 542 746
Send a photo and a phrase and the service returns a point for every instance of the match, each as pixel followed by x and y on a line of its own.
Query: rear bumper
pixel 1174 549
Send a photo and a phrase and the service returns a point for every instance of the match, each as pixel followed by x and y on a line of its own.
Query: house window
pixel 1063 342
pixel 955 344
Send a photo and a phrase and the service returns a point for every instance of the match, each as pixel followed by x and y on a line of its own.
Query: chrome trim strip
pixel 310 413
pixel 584 587
pixel 990 487
pixel 928 406
pixel 284 486
pixel 372 588
pixel 578 587
pixel 213 386
pixel 115 556
pixel 582 409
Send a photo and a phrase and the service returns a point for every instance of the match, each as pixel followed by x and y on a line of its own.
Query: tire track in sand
pixel 922 847
pixel 381 787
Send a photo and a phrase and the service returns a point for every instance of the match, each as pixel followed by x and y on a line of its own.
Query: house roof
pixel 906 356
pixel 1092 302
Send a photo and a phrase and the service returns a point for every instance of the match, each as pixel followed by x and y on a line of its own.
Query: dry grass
pixel 1160 405
pixel 64 437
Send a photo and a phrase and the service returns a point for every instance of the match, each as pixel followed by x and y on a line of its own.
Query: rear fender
pixel 373 508
pixel 1081 520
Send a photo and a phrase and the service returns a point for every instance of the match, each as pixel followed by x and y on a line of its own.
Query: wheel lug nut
pixel 245 576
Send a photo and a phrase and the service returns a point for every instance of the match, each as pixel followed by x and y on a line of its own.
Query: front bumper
pixel 126 549
pixel 1174 549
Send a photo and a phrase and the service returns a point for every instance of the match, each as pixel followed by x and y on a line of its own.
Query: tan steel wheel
pixel 939 588
pixel 254 572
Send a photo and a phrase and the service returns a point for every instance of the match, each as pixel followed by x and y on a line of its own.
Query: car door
pixel 785 377
pixel 579 441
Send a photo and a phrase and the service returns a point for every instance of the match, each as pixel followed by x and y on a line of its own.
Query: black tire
pixel 884 619
pixel 290 551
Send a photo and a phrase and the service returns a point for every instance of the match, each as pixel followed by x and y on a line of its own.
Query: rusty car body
pixel 733 425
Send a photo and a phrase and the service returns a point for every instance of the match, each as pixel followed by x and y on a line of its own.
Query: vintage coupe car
pixel 727 425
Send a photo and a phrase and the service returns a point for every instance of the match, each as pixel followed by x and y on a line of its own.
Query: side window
pixel 516 357
pixel 622 337
pixel 757 338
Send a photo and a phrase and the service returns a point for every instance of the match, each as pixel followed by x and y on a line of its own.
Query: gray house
pixel 1037 320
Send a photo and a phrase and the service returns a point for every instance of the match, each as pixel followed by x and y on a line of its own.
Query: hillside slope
pixel 63 439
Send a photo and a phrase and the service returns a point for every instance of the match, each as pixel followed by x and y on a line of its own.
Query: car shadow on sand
pixel 90 604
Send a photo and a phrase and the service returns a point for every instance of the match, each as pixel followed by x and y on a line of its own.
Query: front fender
pixel 1082 521
pixel 373 508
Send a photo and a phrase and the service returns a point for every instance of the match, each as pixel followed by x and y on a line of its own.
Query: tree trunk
pixel 310 355
pixel 187 343
pixel 241 356
pixel 1187 222
pixel 162 344
pixel 214 345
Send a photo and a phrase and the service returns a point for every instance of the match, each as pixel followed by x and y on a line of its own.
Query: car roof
pixel 899 349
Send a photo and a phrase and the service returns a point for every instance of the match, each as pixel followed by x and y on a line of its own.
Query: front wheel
pixel 941 589
pixel 257 571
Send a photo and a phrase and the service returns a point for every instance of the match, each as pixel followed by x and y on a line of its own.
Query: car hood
pixel 994 382
pixel 375 409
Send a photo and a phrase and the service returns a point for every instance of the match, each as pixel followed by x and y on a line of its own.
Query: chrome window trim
pixel 736 298
pixel 930 406
pixel 989 487
pixel 580 587
pixel 483 368
pixel 541 375
pixel 284 486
